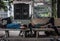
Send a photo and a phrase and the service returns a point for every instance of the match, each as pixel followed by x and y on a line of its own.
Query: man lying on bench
pixel 51 22
pixel 10 25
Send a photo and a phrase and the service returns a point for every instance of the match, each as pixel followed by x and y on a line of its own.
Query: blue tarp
pixel 13 26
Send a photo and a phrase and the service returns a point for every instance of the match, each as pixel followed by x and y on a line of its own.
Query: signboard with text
pixel 41 10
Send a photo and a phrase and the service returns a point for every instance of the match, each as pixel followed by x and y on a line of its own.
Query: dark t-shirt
pixel 30 25
pixel 51 21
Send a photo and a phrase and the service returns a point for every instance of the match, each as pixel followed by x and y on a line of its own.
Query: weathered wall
pixel 45 20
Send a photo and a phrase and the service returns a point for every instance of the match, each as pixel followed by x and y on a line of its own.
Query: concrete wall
pixel 57 22
pixel 45 20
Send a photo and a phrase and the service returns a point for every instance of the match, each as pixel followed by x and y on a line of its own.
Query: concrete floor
pixel 33 39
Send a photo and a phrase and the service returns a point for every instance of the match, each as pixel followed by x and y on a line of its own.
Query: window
pixel 21 11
